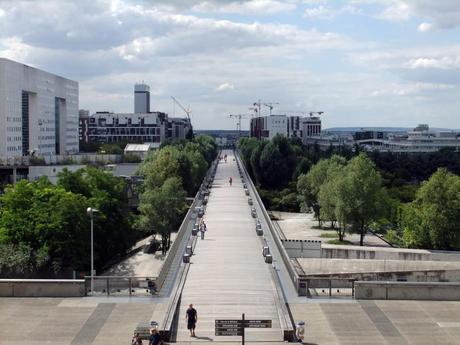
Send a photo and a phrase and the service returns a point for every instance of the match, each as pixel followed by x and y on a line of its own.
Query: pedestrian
pixel 155 337
pixel 136 340
pixel 192 317
pixel 225 158
pixel 202 229
pixel 230 181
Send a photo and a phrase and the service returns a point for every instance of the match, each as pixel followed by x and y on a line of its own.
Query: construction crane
pixel 270 106
pixel 257 104
pixel 187 111
pixel 255 111
pixel 239 117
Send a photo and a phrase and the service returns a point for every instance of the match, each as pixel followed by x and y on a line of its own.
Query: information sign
pixel 236 327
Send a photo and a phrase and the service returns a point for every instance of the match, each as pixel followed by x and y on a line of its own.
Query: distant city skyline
pixel 365 63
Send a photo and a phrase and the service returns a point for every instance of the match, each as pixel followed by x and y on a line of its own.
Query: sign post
pixel 237 327
pixel 242 338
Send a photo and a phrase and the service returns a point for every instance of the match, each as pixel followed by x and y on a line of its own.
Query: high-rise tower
pixel 141 98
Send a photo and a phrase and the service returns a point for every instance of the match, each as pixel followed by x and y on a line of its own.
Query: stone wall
pixel 42 288
pixel 407 291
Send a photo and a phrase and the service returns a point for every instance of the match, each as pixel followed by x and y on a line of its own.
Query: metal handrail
pixel 284 256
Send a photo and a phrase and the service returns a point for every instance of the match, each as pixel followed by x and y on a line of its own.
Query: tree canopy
pixel 432 219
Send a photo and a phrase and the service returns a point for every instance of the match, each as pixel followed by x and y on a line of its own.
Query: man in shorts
pixel 191 317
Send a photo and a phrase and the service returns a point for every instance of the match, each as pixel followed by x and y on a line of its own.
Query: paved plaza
pixel 85 321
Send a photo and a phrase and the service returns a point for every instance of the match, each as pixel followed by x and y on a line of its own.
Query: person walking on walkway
pixel 202 229
pixel 192 317
pixel 136 340
pixel 230 181
pixel 155 337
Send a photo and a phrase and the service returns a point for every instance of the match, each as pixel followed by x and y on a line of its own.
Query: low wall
pixel 302 248
pixel 407 291
pixel 330 251
pixel 42 288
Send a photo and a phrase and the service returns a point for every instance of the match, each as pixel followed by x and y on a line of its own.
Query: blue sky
pixel 362 62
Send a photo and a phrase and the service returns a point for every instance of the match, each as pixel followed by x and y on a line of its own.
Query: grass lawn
pixel 336 241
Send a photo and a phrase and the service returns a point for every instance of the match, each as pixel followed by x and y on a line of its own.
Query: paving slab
pixel 228 275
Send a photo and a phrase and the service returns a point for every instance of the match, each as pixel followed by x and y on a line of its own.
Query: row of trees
pixel 357 191
pixel 274 166
pixel 44 227
pixel 172 173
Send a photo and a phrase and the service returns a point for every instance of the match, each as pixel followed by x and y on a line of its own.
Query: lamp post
pixel 90 211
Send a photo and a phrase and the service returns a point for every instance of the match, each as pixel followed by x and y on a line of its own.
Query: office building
pixel 83 129
pixel 155 127
pixel 141 98
pixel 142 126
pixel 421 139
pixel 38 112
pixel 267 127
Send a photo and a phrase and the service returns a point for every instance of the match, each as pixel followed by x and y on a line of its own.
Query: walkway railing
pixel 121 285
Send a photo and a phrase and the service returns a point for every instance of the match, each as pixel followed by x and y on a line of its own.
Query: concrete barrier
pixel 42 288
pixel 331 251
pixel 407 291
pixel 302 248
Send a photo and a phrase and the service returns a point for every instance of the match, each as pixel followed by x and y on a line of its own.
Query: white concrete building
pixel 155 127
pixel 38 112
pixel 421 139
pixel 267 127
pixel 106 127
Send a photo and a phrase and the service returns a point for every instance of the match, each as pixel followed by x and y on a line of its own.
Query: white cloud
pixel 225 87
pixel 445 62
pixel 425 27
pixel 252 7
pixel 320 12
pixel 441 14
pixel 399 11
pixel 410 89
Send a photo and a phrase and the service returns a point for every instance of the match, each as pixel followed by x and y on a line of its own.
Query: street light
pixel 90 211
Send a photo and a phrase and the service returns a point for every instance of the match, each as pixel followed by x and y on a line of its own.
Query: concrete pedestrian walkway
pixel 228 275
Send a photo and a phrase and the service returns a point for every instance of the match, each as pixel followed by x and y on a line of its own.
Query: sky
pixel 362 62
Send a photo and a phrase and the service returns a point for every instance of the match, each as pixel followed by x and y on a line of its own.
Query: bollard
pixel 195 230
pixel 186 258
pixel 268 258
pixel 265 251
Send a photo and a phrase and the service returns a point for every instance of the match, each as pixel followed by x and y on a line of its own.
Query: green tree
pixel 360 195
pixel 308 185
pixel 48 220
pixel 162 209
pixel 207 146
pixel 431 220
pixel 113 230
